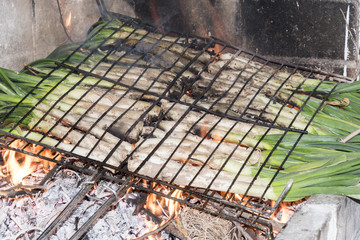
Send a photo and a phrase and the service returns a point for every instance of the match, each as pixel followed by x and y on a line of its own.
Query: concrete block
pixel 348 220
pixel 85 13
pixel 48 31
pixel 16 40
pixel 324 217
pixel 31 29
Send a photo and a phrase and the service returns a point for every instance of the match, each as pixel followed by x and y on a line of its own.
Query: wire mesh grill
pixel 170 107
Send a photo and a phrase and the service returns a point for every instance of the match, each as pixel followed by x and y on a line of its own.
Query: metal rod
pixel 66 212
pixel 281 197
pixel 112 199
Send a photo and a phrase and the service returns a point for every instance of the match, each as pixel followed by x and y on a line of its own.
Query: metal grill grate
pixel 193 92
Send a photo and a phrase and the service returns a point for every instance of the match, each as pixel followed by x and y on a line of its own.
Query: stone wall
pixel 303 32
pixel 31 29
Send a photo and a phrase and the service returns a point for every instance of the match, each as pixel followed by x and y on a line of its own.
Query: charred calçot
pixel 140 98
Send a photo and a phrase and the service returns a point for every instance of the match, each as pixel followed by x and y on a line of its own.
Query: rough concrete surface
pixel 48 32
pixel 295 32
pixel 31 29
pixel 324 217
pixel 16 42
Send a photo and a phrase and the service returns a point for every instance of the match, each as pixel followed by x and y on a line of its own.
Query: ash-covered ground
pixel 26 217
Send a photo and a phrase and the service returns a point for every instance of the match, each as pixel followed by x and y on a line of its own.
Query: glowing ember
pixel 217 49
pixel 19 165
pixel 282 214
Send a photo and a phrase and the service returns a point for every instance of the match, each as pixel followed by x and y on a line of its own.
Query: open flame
pixel 19 165
pixel 64 12
pixel 161 206
pixel 217 49
pixel 217 28
pixel 68 22
pixel 155 15
pixel 283 213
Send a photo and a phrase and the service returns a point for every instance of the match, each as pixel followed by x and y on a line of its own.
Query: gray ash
pixel 27 217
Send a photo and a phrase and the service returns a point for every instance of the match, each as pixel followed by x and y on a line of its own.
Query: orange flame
pixel 160 206
pixel 152 203
pixel 68 22
pixel 174 206
pixel 286 213
pixel 217 49
pixel 218 26
pixel 19 165
pixel 157 204
pixel 152 227
pixel 155 15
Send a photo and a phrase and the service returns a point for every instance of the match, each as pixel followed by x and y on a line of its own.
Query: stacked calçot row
pixel 166 110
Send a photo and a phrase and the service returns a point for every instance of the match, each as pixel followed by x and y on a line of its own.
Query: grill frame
pixel 255 212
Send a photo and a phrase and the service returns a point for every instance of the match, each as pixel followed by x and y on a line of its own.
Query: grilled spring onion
pixel 338 173
pixel 316 161
pixel 113 31
pixel 317 165
pixel 13 94
pixel 318 169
